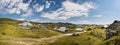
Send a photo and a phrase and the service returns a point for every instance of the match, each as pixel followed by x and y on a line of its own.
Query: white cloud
pixel 97 16
pixel 21 19
pixel 38 7
pixel 14 10
pixel 20 8
pixel 23 6
pixel 35 20
pixel 27 14
pixel 81 22
pixel 7 5
pixel 16 7
pixel 68 10
pixel 47 4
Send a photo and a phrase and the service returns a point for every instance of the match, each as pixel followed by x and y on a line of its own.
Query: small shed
pixel 79 29
pixel 113 29
pixel 26 24
pixel 62 29
pixel 55 28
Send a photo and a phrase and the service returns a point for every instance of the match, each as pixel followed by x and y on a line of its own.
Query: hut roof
pixel 26 24
pixel 62 29
pixel 114 25
pixel 79 29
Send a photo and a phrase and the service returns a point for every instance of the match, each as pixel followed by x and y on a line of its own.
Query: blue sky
pixel 72 11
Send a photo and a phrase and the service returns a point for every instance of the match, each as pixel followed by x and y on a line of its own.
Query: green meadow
pixel 12 34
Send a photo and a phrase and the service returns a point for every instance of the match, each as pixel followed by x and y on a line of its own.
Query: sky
pixel 71 11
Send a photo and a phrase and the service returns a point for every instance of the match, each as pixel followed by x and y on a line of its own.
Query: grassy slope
pixel 9 30
pixel 88 39
pixel 83 39
pixel 10 34
pixel 114 40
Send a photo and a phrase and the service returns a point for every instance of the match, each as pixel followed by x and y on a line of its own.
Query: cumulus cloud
pixel 14 10
pixel 27 14
pixel 16 7
pixel 22 9
pixel 21 19
pixel 68 10
pixel 38 8
pixel 48 4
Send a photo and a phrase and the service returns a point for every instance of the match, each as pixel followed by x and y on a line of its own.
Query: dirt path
pixel 53 38
pixel 50 39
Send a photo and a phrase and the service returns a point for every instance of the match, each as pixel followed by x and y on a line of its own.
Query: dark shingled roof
pixel 114 25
